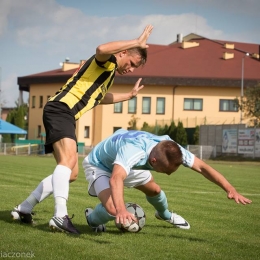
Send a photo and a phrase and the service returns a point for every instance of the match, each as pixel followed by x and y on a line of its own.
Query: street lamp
pixel 242 86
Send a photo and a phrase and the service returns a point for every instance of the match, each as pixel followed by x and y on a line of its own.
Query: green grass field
pixel 220 229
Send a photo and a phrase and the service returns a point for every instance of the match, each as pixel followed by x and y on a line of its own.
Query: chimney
pixel 179 38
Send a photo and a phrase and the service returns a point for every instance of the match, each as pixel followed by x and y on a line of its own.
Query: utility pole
pixel 242 87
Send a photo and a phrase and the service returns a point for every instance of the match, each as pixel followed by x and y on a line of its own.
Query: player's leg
pixel 23 211
pixel 156 197
pixel 103 212
pixel 65 153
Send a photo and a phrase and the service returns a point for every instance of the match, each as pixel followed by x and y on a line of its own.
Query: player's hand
pixel 144 36
pixel 238 197
pixel 125 217
pixel 136 88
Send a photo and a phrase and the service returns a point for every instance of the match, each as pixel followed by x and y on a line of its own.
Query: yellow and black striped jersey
pixel 88 86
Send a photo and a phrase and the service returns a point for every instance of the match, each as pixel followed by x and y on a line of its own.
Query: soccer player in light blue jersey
pixel 125 159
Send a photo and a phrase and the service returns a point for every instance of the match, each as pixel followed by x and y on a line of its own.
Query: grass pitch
pixel 220 229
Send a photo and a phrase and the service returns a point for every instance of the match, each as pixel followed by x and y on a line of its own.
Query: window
pixel 193 104
pixel 146 109
pixel 132 105
pixel 41 102
pixel 33 101
pixel 39 130
pixel 227 105
pixel 86 132
pixel 160 106
pixel 115 128
pixel 118 107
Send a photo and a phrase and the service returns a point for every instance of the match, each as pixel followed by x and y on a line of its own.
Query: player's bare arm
pixel 104 51
pixel 214 176
pixel 111 98
pixel 117 193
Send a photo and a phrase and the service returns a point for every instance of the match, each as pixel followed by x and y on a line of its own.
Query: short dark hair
pixel 140 51
pixel 168 153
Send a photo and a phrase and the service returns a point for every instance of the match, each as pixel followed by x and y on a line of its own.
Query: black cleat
pixel 23 217
pixel 63 224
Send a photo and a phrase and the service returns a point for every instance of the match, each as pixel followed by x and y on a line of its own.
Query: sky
pixel 37 35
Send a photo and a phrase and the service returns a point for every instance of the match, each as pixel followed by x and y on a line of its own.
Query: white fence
pixel 203 152
pixel 32 149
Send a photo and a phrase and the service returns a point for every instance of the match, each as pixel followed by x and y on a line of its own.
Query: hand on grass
pixel 238 197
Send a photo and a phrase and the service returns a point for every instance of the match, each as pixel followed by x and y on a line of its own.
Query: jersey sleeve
pixel 187 157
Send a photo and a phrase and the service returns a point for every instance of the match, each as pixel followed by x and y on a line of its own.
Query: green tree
pixel 17 117
pixel 181 135
pixel 146 127
pixel 162 130
pixel 196 135
pixel 250 103
pixel 172 131
pixel 133 123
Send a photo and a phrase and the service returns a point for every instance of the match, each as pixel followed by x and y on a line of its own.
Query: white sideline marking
pixel 212 192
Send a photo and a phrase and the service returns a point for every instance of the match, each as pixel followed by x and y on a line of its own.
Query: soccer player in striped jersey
pixel 87 88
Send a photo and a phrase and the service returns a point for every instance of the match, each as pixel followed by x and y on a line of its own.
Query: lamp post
pixel 242 86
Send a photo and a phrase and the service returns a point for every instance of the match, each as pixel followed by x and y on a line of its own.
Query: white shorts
pixel 134 178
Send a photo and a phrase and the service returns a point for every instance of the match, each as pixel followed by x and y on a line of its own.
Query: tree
pixel 162 130
pixel 181 135
pixel 146 127
pixel 133 123
pixel 196 135
pixel 250 103
pixel 172 131
pixel 16 117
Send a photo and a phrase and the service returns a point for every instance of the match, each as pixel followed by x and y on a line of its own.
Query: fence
pixel 197 121
pixel 203 152
pixel 33 149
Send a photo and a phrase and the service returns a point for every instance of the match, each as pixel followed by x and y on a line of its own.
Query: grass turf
pixel 220 229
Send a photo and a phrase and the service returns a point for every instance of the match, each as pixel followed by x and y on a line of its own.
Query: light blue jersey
pixel 130 149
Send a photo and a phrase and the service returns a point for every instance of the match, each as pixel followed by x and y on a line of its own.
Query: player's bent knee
pixel 73 177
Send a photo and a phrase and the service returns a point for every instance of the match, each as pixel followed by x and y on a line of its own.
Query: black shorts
pixel 58 122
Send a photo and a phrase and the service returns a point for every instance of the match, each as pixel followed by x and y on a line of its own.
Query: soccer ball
pixel 139 214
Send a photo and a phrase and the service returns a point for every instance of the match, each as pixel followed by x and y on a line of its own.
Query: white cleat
pixel 176 220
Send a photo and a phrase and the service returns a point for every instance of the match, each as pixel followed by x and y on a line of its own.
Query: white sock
pixel 27 205
pixel 60 182
pixel 43 190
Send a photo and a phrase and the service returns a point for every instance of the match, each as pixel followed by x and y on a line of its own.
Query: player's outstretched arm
pixel 217 178
pixel 104 51
pixel 111 98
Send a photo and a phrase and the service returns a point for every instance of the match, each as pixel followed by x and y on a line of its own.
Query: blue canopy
pixel 7 128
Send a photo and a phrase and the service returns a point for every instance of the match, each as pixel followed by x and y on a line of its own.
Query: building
pixel 194 80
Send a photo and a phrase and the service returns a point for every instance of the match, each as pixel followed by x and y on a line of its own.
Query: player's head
pixel 166 157
pixel 129 60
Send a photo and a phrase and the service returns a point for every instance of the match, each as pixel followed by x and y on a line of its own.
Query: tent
pixel 7 128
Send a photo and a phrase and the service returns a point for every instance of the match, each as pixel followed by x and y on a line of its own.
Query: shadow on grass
pixel 5 216
pixel 86 231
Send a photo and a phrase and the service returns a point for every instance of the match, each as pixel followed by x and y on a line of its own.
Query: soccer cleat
pixel 63 224
pixel 176 220
pixel 23 217
pixel 98 229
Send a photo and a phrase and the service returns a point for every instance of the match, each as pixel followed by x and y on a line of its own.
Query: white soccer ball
pixel 139 214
